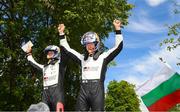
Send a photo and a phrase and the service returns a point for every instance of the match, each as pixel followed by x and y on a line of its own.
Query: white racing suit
pixel 53 75
pixel 91 95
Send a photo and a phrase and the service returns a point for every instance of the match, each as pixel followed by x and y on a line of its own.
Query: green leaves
pixel 37 20
pixel 174 29
pixel 174 32
pixel 121 96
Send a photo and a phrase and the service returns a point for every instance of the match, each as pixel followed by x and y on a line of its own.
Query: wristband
pixel 118 31
pixel 61 36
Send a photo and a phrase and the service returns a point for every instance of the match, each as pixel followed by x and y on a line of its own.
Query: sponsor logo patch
pixel 90 68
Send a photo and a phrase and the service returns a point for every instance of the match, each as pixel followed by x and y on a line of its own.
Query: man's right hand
pixel 61 28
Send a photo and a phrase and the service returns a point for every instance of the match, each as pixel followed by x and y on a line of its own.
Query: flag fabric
pixel 162 91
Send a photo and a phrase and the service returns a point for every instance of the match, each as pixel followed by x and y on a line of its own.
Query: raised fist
pixel 117 24
pixel 61 28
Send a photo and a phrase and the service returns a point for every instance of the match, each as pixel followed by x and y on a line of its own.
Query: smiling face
pixel 90 47
pixel 50 54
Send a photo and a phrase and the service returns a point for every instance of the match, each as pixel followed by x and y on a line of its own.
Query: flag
pixel 162 91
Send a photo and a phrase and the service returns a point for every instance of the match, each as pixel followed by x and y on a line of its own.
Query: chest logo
pixel 95 68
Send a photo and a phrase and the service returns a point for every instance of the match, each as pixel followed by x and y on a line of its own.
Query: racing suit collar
pixel 52 61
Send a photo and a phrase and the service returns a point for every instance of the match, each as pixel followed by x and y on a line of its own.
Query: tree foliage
pixel 174 32
pixel 37 20
pixel 121 96
pixel 176 108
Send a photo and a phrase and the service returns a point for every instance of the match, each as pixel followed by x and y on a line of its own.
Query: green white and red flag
pixel 162 91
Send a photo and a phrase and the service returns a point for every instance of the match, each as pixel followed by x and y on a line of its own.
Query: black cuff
pixel 62 36
pixel 28 54
pixel 118 31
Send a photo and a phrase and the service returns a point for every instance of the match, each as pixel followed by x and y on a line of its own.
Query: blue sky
pixel 146 29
